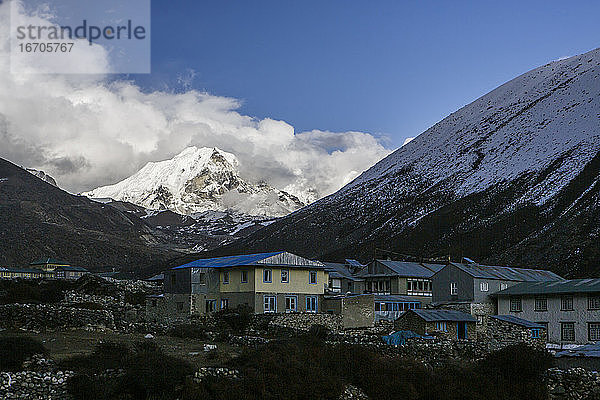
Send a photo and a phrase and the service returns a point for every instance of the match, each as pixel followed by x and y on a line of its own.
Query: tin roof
pixel 556 287
pixel 275 258
pixel 395 298
pixel 444 315
pixel 337 270
pixel 588 350
pixel 518 321
pixel 507 273
pixel 44 261
pixel 406 268
pixel 71 268
pixel 354 263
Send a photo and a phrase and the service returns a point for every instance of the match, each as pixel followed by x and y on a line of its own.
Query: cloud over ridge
pixel 89 131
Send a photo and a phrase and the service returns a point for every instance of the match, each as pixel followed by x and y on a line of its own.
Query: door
pixel 461 329
pixel 291 304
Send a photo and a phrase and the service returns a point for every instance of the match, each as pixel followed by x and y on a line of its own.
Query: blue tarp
pixel 399 338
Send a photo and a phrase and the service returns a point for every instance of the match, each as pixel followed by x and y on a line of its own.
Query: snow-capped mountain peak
pixel 198 180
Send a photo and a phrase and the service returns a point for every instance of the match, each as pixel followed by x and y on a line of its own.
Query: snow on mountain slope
pixel 523 126
pixel 42 175
pixel 481 182
pixel 198 180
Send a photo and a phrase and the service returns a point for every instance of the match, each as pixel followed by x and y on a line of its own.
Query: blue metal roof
pixel 44 261
pixel 518 321
pixel 507 273
pixel 394 298
pixel 229 261
pixel 444 315
pixel 588 350
pixel 556 287
pixel 71 268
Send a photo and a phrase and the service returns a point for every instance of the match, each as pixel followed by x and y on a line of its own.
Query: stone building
pixel 570 309
pixel 448 324
pixel 509 329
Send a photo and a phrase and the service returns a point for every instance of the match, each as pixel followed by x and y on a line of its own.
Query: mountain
pixel 511 178
pixel 43 176
pixel 199 180
pixel 40 220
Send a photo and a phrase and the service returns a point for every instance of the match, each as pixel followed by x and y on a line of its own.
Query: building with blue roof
pixel 265 282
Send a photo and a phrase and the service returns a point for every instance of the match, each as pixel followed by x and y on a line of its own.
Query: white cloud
pixel 90 131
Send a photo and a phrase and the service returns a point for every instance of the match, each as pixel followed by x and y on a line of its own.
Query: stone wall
pixel 573 384
pixel 34 385
pixel 503 332
pixel 42 317
pixel 303 321
pixel 358 312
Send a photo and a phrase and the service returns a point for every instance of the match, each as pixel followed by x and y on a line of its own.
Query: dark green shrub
pixel 14 350
pixel 188 331
pixel 318 332
pixel 237 319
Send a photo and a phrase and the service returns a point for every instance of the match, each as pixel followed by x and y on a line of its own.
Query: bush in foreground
pixel 15 350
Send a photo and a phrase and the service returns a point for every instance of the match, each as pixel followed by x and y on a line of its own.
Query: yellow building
pixel 23 273
pixel 266 282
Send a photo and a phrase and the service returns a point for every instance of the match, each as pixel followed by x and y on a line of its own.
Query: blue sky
pixel 385 67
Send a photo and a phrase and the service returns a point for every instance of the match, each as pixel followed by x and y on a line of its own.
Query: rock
pixel 149 336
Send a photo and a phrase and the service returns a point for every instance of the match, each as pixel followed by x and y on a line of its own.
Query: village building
pixel 570 309
pixel 22 273
pixel 510 329
pixel 447 324
pixel 387 277
pixel 467 287
pixel 69 272
pixel 48 265
pixel 277 282
pixel 342 278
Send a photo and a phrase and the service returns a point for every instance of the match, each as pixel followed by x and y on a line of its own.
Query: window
pixel 484 286
pixel 594 331
pixel 377 307
pixel 173 279
pixel 503 286
pixel 210 305
pixel 291 303
pixel 567 331
pixel 541 303
pixel 226 277
pixel 224 304
pixel 311 304
pixel 153 303
pixel 202 278
pixel 312 277
pixel 453 289
pixel 285 276
pixel 535 333
pixel 593 302
pixel 267 276
pixel 441 326
pixel 515 304
pixel 566 303
pixel 479 319
pixel 180 306
pixel 419 287
pixel 244 276
pixel 270 304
